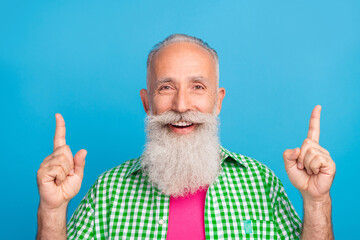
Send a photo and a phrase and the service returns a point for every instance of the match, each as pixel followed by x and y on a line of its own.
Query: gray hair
pixel 175 38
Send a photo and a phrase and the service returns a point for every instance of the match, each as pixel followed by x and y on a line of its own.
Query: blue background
pixel 86 60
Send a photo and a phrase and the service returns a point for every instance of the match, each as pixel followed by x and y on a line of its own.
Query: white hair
pixel 182 164
pixel 176 38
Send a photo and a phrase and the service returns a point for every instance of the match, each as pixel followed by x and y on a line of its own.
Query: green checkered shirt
pixel 246 201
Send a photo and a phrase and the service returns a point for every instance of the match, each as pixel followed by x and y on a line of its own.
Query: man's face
pixel 182 78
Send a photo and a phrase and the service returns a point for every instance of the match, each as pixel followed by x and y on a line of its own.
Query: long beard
pixel 182 164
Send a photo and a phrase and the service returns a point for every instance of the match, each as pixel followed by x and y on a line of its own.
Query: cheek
pixel 205 103
pixel 161 104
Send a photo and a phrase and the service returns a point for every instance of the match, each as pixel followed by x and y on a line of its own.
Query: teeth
pixel 182 124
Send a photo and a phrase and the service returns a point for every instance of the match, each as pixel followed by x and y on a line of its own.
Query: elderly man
pixel 185 185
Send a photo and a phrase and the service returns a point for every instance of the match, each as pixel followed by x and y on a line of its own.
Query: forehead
pixel 183 58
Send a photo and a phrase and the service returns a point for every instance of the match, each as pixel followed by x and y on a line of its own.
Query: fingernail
pixel 300 166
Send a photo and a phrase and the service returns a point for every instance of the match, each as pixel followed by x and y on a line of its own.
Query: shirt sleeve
pixel 81 224
pixel 288 222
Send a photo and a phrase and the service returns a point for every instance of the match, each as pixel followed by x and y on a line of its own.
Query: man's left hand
pixel 310 168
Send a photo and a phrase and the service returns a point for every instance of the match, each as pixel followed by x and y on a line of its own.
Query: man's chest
pixel 236 207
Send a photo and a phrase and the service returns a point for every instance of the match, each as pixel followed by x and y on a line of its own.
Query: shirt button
pixel 161 221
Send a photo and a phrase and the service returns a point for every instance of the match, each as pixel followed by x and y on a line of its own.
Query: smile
pixel 182 127
pixel 182 124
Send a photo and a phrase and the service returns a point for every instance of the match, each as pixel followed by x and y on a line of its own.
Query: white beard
pixel 182 164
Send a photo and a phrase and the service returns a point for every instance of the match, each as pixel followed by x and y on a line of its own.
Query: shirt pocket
pixel 258 229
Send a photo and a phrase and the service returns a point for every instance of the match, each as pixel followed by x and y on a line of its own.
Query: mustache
pixel 170 117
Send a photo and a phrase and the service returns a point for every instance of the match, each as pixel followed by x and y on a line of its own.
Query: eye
pixel 198 87
pixel 165 87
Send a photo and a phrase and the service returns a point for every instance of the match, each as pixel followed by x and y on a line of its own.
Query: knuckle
pixel 63 148
pixel 65 160
pixel 66 150
pixel 313 164
pixel 66 147
pixel 61 175
pixel 319 157
pixel 58 169
pixel 62 165
pixel 312 150
pixel 285 153
pixel 307 141
pixel 62 157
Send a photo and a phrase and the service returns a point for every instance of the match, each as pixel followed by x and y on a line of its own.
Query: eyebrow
pixel 195 78
pixel 164 80
pixel 198 78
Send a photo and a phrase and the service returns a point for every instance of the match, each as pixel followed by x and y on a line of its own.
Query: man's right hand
pixel 60 174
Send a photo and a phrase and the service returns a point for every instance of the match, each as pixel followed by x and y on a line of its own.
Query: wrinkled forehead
pixel 182 59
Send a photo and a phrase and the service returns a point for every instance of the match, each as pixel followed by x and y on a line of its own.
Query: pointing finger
pixel 314 126
pixel 59 139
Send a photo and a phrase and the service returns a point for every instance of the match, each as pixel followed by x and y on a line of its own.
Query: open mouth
pixel 182 124
pixel 182 127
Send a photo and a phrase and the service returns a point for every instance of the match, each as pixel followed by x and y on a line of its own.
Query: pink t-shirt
pixel 186 217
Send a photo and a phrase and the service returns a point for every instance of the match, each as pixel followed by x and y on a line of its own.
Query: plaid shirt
pixel 246 201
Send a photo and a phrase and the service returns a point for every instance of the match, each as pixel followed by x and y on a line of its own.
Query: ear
pixel 221 95
pixel 145 100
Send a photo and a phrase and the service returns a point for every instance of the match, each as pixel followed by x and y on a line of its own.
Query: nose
pixel 182 101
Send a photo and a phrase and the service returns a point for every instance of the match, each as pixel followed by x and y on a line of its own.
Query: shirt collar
pixel 135 167
pixel 240 159
pixel 224 153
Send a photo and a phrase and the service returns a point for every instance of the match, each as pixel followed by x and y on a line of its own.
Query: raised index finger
pixel 314 126
pixel 59 139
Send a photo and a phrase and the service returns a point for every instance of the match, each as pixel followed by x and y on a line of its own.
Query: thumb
pixel 290 156
pixel 79 162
